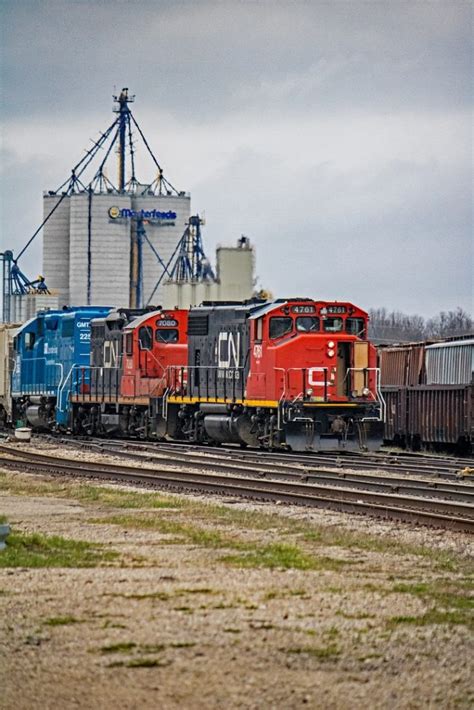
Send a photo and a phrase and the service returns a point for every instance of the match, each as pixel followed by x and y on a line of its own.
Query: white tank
pixel 56 246
pixel 109 250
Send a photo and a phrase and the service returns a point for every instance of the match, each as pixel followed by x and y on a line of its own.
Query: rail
pixel 195 476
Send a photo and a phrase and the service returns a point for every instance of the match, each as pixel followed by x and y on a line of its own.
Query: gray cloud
pixel 336 135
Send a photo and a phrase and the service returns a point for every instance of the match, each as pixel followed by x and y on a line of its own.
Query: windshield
pixel 307 324
pixel 333 325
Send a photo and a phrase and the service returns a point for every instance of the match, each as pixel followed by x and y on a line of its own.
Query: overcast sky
pixel 336 135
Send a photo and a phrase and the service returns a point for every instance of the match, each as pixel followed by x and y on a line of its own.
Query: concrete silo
pixel 99 261
pixel 56 245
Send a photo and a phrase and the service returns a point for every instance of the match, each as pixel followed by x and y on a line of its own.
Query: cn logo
pixel 228 349
pixel 257 351
pixel 316 377
pixel 110 354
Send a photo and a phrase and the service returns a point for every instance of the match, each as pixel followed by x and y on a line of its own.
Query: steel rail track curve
pixel 444 514
pixel 430 466
pixel 280 470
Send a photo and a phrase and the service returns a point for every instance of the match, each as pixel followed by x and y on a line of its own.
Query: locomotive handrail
pixel 303 371
pixel 101 370
pixel 188 385
pixel 378 391
pixel 62 386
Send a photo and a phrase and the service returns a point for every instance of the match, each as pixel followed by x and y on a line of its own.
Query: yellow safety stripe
pixel 174 399
pixel 329 404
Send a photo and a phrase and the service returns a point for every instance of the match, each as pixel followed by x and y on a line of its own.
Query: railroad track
pixel 445 469
pixel 284 470
pixel 195 476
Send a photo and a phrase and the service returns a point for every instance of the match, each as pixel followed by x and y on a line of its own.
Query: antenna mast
pixel 123 111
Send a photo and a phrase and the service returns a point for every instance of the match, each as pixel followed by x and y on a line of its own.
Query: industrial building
pixel 129 243
pixel 234 281
pixel 88 242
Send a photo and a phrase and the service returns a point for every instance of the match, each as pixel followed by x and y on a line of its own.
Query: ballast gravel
pixel 170 624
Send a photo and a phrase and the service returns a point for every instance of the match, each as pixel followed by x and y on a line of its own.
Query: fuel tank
pixel 226 429
pixel 38 416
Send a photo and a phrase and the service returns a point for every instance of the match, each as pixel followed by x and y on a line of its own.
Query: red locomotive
pixel 294 373
pixel 130 358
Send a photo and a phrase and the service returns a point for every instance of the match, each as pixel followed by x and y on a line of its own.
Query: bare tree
pixel 448 323
pixel 396 327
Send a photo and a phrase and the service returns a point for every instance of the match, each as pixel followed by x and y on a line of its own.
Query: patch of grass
pixel 322 653
pixel 433 616
pixel 361 615
pixel 38 550
pixel 280 555
pixel 250 554
pixel 230 630
pixel 146 663
pixel 108 624
pixel 121 647
pixel 457 594
pixel 310 535
pixel 162 596
pixel 3 519
pixel 452 601
pixel 61 621
pixel 370 656
pixel 185 532
pixel 182 644
pixel 102 495
pixel 284 593
pixel 127 499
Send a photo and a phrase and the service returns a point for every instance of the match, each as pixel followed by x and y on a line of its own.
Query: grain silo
pixel 99 257
pixel 110 244
pixel 56 244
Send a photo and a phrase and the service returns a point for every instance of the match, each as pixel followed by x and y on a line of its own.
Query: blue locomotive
pixel 47 350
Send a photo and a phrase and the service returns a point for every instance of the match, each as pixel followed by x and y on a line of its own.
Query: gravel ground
pixel 172 624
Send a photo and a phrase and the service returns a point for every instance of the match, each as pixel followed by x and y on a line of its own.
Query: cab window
pixel 166 335
pixel 280 326
pixel 29 341
pixel 129 343
pixel 307 324
pixel 356 326
pixel 333 325
pixel 67 329
pixel 145 337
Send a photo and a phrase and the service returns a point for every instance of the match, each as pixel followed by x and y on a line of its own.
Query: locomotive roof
pixel 136 322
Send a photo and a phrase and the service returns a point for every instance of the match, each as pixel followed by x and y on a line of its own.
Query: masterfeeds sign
pixel 125 213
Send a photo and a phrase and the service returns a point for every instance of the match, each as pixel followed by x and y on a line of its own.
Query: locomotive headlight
pixel 309 392
pixel 365 392
pixel 331 353
pixel 331 344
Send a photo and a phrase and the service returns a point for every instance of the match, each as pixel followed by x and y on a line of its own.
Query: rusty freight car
pixel 429 393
